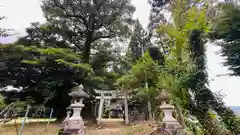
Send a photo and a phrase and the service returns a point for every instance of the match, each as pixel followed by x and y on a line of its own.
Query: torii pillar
pixel 100 109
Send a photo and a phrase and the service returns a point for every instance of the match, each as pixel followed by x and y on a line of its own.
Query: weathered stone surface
pixel 78 93
pixel 164 96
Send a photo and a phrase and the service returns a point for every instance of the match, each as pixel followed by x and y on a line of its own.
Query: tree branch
pixel 71 15
pixel 103 36
pixel 101 18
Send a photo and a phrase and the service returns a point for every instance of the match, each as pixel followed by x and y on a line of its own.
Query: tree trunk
pixel 149 110
pixel 86 53
pixel 86 60
pixel 126 107
pixel 88 114
pixel 87 47
pixel 180 116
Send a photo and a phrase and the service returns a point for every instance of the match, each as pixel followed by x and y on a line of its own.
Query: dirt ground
pixel 40 129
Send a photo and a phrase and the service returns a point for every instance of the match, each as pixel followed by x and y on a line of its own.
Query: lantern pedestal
pixel 76 123
pixel 168 120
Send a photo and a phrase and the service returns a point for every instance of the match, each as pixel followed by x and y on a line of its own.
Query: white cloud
pixel 21 13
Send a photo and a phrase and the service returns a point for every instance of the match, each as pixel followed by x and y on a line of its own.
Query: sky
pixel 20 13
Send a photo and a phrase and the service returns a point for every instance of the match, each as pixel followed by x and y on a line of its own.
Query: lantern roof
pixel 78 93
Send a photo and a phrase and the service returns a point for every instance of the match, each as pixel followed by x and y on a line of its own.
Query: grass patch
pixel 141 129
pixel 28 121
pixel 33 128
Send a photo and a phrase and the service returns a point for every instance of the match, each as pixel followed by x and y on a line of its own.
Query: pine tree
pixel 137 44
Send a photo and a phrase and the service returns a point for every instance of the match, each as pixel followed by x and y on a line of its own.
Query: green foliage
pixel 185 19
pixel 178 66
pixel 193 127
pixel 2 104
pixel 186 35
pixel 140 72
pixel 53 53
pixel 85 67
pixel 45 71
pixel 137 44
pixel 226 28
pixel 83 22
pixel 172 74
pixel 44 56
pixel 156 16
pixel 203 96
pixel 135 75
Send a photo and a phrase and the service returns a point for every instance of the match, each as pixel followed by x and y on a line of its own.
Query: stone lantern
pixel 68 114
pixel 169 121
pixel 75 123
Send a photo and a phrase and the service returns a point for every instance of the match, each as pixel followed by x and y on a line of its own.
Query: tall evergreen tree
pixel 197 84
pixel 226 27
pixel 137 44
pixel 155 15
pixel 204 99
pixel 82 22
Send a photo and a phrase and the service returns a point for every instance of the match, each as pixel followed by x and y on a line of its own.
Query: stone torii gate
pixel 107 95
